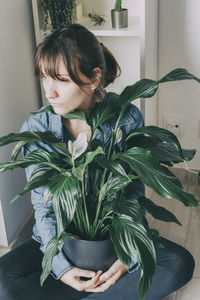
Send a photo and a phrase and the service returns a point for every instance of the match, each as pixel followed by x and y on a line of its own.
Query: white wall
pixel 19 96
pixel 103 7
pixel 179 46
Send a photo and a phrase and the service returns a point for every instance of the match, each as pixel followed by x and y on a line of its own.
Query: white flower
pixel 70 147
pixel 118 135
pixel 79 145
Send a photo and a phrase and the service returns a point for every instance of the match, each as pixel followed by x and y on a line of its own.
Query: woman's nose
pixel 50 88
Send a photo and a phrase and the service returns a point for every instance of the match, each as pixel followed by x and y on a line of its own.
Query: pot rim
pixel 118 11
pixel 88 241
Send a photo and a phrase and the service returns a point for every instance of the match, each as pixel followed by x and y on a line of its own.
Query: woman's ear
pixel 96 78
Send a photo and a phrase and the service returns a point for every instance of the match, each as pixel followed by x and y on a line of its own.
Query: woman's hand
pixel 117 270
pixel 73 279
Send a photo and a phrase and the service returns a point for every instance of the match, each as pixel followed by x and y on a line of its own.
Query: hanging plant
pixel 61 13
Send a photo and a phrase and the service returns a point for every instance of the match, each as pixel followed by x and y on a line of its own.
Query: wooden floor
pixel 187 235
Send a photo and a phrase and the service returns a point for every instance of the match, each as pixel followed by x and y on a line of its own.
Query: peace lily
pixel 88 182
pixel 79 146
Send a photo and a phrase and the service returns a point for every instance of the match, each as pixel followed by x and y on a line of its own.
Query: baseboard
pixel 23 234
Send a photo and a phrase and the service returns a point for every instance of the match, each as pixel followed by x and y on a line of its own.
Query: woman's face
pixel 65 96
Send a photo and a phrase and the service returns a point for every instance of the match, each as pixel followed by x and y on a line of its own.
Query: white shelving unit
pixel 106 29
pixel 135 47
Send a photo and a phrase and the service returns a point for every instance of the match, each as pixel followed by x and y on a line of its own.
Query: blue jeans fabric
pixel 20 271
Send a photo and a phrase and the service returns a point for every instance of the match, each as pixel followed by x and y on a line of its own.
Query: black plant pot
pixel 90 255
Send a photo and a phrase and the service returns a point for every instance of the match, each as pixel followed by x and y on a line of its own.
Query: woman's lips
pixel 56 104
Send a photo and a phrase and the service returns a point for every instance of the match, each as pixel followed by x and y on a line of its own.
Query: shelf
pixel 133 29
pixel 106 28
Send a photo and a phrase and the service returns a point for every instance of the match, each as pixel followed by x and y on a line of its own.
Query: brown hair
pixel 79 50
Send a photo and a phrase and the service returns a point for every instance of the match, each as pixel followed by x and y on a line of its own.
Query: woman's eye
pixel 64 79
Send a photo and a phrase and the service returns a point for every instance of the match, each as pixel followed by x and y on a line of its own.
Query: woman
pixel 75 69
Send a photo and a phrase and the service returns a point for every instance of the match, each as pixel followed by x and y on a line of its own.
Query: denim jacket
pixel 45 227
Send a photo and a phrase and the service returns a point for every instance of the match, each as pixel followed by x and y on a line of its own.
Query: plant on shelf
pixel 89 183
pixel 118 5
pixel 61 13
pixel 119 15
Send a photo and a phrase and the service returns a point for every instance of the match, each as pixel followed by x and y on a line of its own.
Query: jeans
pixel 20 271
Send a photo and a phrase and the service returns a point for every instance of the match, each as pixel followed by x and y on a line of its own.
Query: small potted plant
pixel 60 13
pixel 88 182
pixel 119 15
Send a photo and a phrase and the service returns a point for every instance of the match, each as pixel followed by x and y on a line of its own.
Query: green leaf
pixel 18 196
pixel 49 108
pixel 146 88
pixel 53 248
pixel 112 186
pixel 35 157
pixel 77 114
pixel 50 251
pixel 17 150
pixel 155 176
pixel 40 176
pixel 153 234
pixel 158 135
pixel 143 88
pixel 27 137
pixel 158 212
pixel 78 172
pixel 31 158
pixel 100 114
pixel 164 152
pixel 129 207
pixel 167 153
pixel 178 74
pixel 130 237
pixel 91 155
pixel 114 166
pixel 64 192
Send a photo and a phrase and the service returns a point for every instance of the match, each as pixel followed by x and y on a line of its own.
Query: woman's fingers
pixel 73 278
pixel 83 273
pixel 109 278
pixel 82 285
pixel 105 285
pixel 92 283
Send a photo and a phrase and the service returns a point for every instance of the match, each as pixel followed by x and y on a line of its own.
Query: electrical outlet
pixel 174 123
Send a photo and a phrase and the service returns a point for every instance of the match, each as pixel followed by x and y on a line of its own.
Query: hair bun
pixel 112 70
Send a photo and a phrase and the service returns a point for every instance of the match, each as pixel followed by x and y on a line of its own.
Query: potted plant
pixel 60 13
pixel 119 15
pixel 89 182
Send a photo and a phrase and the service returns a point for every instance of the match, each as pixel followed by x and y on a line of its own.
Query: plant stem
pixel 85 208
pixel 105 171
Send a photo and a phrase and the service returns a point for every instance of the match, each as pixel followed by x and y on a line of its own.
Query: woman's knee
pixel 180 265
pixel 183 265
